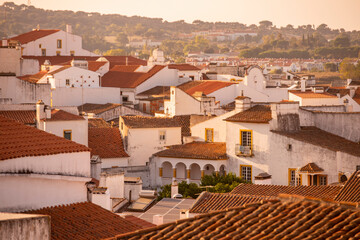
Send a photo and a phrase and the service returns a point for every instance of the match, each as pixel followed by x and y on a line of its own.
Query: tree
pixel 348 70
pixel 342 41
pixel 265 24
pixel 122 39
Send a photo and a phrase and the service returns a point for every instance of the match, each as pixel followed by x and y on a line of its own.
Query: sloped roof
pixel 22 116
pixel 351 191
pixel 33 78
pixel 33 35
pixel 95 65
pixel 106 142
pixel 208 202
pixel 61 115
pixel 59 70
pixel 98 123
pixel 128 79
pixel 125 68
pixel 138 221
pixel 196 150
pixel 311 168
pixel 354 83
pixel 357 96
pixel 97 108
pixel 85 221
pixel 208 87
pixel 323 139
pixel 271 219
pixel 156 91
pixel 18 140
pixel 150 122
pixel 322 192
pixel 183 67
pixel 256 114
pixel 310 94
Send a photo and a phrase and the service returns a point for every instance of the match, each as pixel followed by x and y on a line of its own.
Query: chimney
pixel 348 81
pixel 40 112
pixel 285 117
pixel 47 112
pixel 303 85
pixel 174 189
pixel 158 219
pixel 4 42
pixel 68 28
pixel 242 103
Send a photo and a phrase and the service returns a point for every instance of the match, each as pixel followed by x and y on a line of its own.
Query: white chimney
pixel 303 85
pixel 158 219
pixel 40 112
pixel 68 28
pixel 242 103
pixel 174 189
pixel 48 112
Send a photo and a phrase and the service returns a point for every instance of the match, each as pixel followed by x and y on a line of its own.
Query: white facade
pixel 114 162
pixel 314 101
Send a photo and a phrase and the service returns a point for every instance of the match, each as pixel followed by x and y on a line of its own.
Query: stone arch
pixel 167 169
pixel 180 170
pixel 222 170
pixel 195 172
pixel 208 169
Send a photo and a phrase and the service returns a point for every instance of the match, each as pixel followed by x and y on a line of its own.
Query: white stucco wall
pixel 314 101
pixel 114 183
pixel 226 95
pixel 10 60
pixel 135 189
pixel 114 162
pixel 79 129
pixel 34 191
pixel 181 103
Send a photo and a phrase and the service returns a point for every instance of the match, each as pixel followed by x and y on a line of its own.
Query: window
pixel 67 82
pixel 68 134
pixel 43 52
pixel 209 134
pixel 39 45
pixel 246 138
pixel 144 107
pixel 162 135
pixel 59 43
pixel 72 53
pixel 293 178
pixel 322 180
pixel 246 172
pixel 358 168
pixel 125 98
pixel 58 53
pixel 192 78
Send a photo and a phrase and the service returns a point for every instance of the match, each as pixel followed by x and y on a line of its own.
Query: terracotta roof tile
pixel 357 96
pixel 128 79
pixel 33 35
pixel 125 68
pixel 85 221
pixel 183 67
pixel 256 114
pixel 33 78
pixel 156 91
pixel 98 123
pixel 323 192
pixel 97 108
pixel 59 70
pixel 18 140
pixel 208 202
pixel 106 142
pixel 150 122
pixel 208 87
pixel 354 83
pixel 138 221
pixel 196 150
pixel 61 115
pixel 95 65
pixel 311 168
pixel 351 191
pixel 22 116
pixel 272 219
pixel 323 139
pixel 310 94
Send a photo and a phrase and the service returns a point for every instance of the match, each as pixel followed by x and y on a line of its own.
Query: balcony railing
pixel 244 151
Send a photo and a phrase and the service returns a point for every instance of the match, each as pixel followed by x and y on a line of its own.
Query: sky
pixel 335 13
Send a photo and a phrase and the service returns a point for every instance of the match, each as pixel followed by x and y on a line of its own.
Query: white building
pixel 187 71
pixel 53 42
pixel 38 169
pixel 144 136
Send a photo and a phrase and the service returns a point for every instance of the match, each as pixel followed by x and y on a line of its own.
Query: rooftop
pixel 206 87
pixel 85 221
pixel 323 139
pixel 33 35
pixel 106 142
pixel 310 94
pixel 61 115
pixel 98 123
pixel 125 68
pixel 156 91
pixel 311 168
pixel 33 78
pixel 18 140
pixel 322 192
pixel 256 114
pixel 183 67
pixel 272 219
pixel 95 65
pixel 97 108
pixel 196 150
pixel 149 122
pixel 351 191
pixel 23 116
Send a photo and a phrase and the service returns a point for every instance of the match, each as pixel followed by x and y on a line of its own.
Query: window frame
pixel 320 177
pixel 72 53
pixel 68 131
pixel 299 182
pixel 206 134
pixel 43 52
pixel 251 137
pixel 241 172
pixel 58 46
pixel 160 136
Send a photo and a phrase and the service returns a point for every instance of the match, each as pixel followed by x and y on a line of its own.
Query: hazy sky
pixel 335 13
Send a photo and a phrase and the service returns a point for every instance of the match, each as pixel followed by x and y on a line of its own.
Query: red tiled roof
pixel 208 202
pixel 183 67
pixel 95 65
pixel 125 68
pixel 138 221
pixel 22 116
pixel 59 70
pixel 357 96
pixel 310 94
pixel 323 192
pixel 196 150
pixel 150 122
pixel 256 114
pixel 60 115
pixel 271 219
pixel 351 191
pixel 323 139
pixel 156 91
pixel 85 221
pixel 311 168
pixel 128 79
pixel 97 108
pixel 106 142
pixel 33 78
pixel 98 123
pixel 208 87
pixel 33 35
pixel 18 140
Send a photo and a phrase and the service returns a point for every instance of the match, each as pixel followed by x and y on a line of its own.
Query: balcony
pixel 243 151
